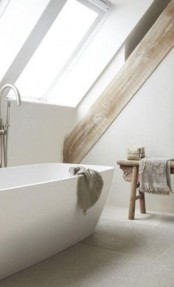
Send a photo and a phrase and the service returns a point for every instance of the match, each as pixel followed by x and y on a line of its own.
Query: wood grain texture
pixel 137 69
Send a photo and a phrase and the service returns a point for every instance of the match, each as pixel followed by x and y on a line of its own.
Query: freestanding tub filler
pixel 39 215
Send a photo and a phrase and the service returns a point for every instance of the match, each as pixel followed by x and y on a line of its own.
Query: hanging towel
pixel 155 175
pixel 89 186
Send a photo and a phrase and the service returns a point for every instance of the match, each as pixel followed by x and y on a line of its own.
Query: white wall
pixel 146 121
pixel 37 133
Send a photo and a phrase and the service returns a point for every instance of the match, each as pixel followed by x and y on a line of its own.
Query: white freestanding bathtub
pixel 39 215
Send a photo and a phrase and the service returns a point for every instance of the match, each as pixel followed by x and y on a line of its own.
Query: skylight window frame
pixel 78 52
pixel 44 98
pixel 97 5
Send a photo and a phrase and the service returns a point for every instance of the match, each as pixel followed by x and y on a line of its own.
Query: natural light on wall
pixel 57 70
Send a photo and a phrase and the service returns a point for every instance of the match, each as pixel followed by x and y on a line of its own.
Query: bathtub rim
pixel 91 166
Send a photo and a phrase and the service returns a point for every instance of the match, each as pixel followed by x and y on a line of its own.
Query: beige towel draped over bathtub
pixel 89 186
pixel 155 175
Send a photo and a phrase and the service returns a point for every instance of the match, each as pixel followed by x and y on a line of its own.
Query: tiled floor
pixel 121 253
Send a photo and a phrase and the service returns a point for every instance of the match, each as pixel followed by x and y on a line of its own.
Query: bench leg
pixel 142 202
pixel 134 180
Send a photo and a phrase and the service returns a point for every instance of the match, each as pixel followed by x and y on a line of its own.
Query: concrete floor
pixel 121 253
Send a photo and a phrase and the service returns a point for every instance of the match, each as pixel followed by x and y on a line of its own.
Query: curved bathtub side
pixel 39 221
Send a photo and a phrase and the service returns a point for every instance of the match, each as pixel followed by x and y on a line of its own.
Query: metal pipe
pixel 10 86
pixel 4 128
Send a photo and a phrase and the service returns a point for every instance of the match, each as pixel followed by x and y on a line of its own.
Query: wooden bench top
pixel 131 163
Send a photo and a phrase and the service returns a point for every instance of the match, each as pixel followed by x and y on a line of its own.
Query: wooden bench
pixel 130 173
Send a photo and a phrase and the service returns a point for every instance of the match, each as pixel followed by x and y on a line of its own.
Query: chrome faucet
pixel 4 127
pixel 10 86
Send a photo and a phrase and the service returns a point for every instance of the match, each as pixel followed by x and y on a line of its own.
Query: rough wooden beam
pixel 139 66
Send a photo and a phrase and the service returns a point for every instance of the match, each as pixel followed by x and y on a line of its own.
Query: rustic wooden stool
pixel 130 173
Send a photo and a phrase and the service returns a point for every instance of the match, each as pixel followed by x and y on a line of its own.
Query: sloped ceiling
pixel 140 65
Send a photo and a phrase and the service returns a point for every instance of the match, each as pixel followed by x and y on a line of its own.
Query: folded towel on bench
pixel 135 153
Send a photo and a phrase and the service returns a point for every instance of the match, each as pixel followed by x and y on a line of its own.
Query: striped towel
pixel 135 153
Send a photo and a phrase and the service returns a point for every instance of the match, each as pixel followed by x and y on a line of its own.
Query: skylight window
pixel 58 49
pixel 17 20
pixel 3 6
